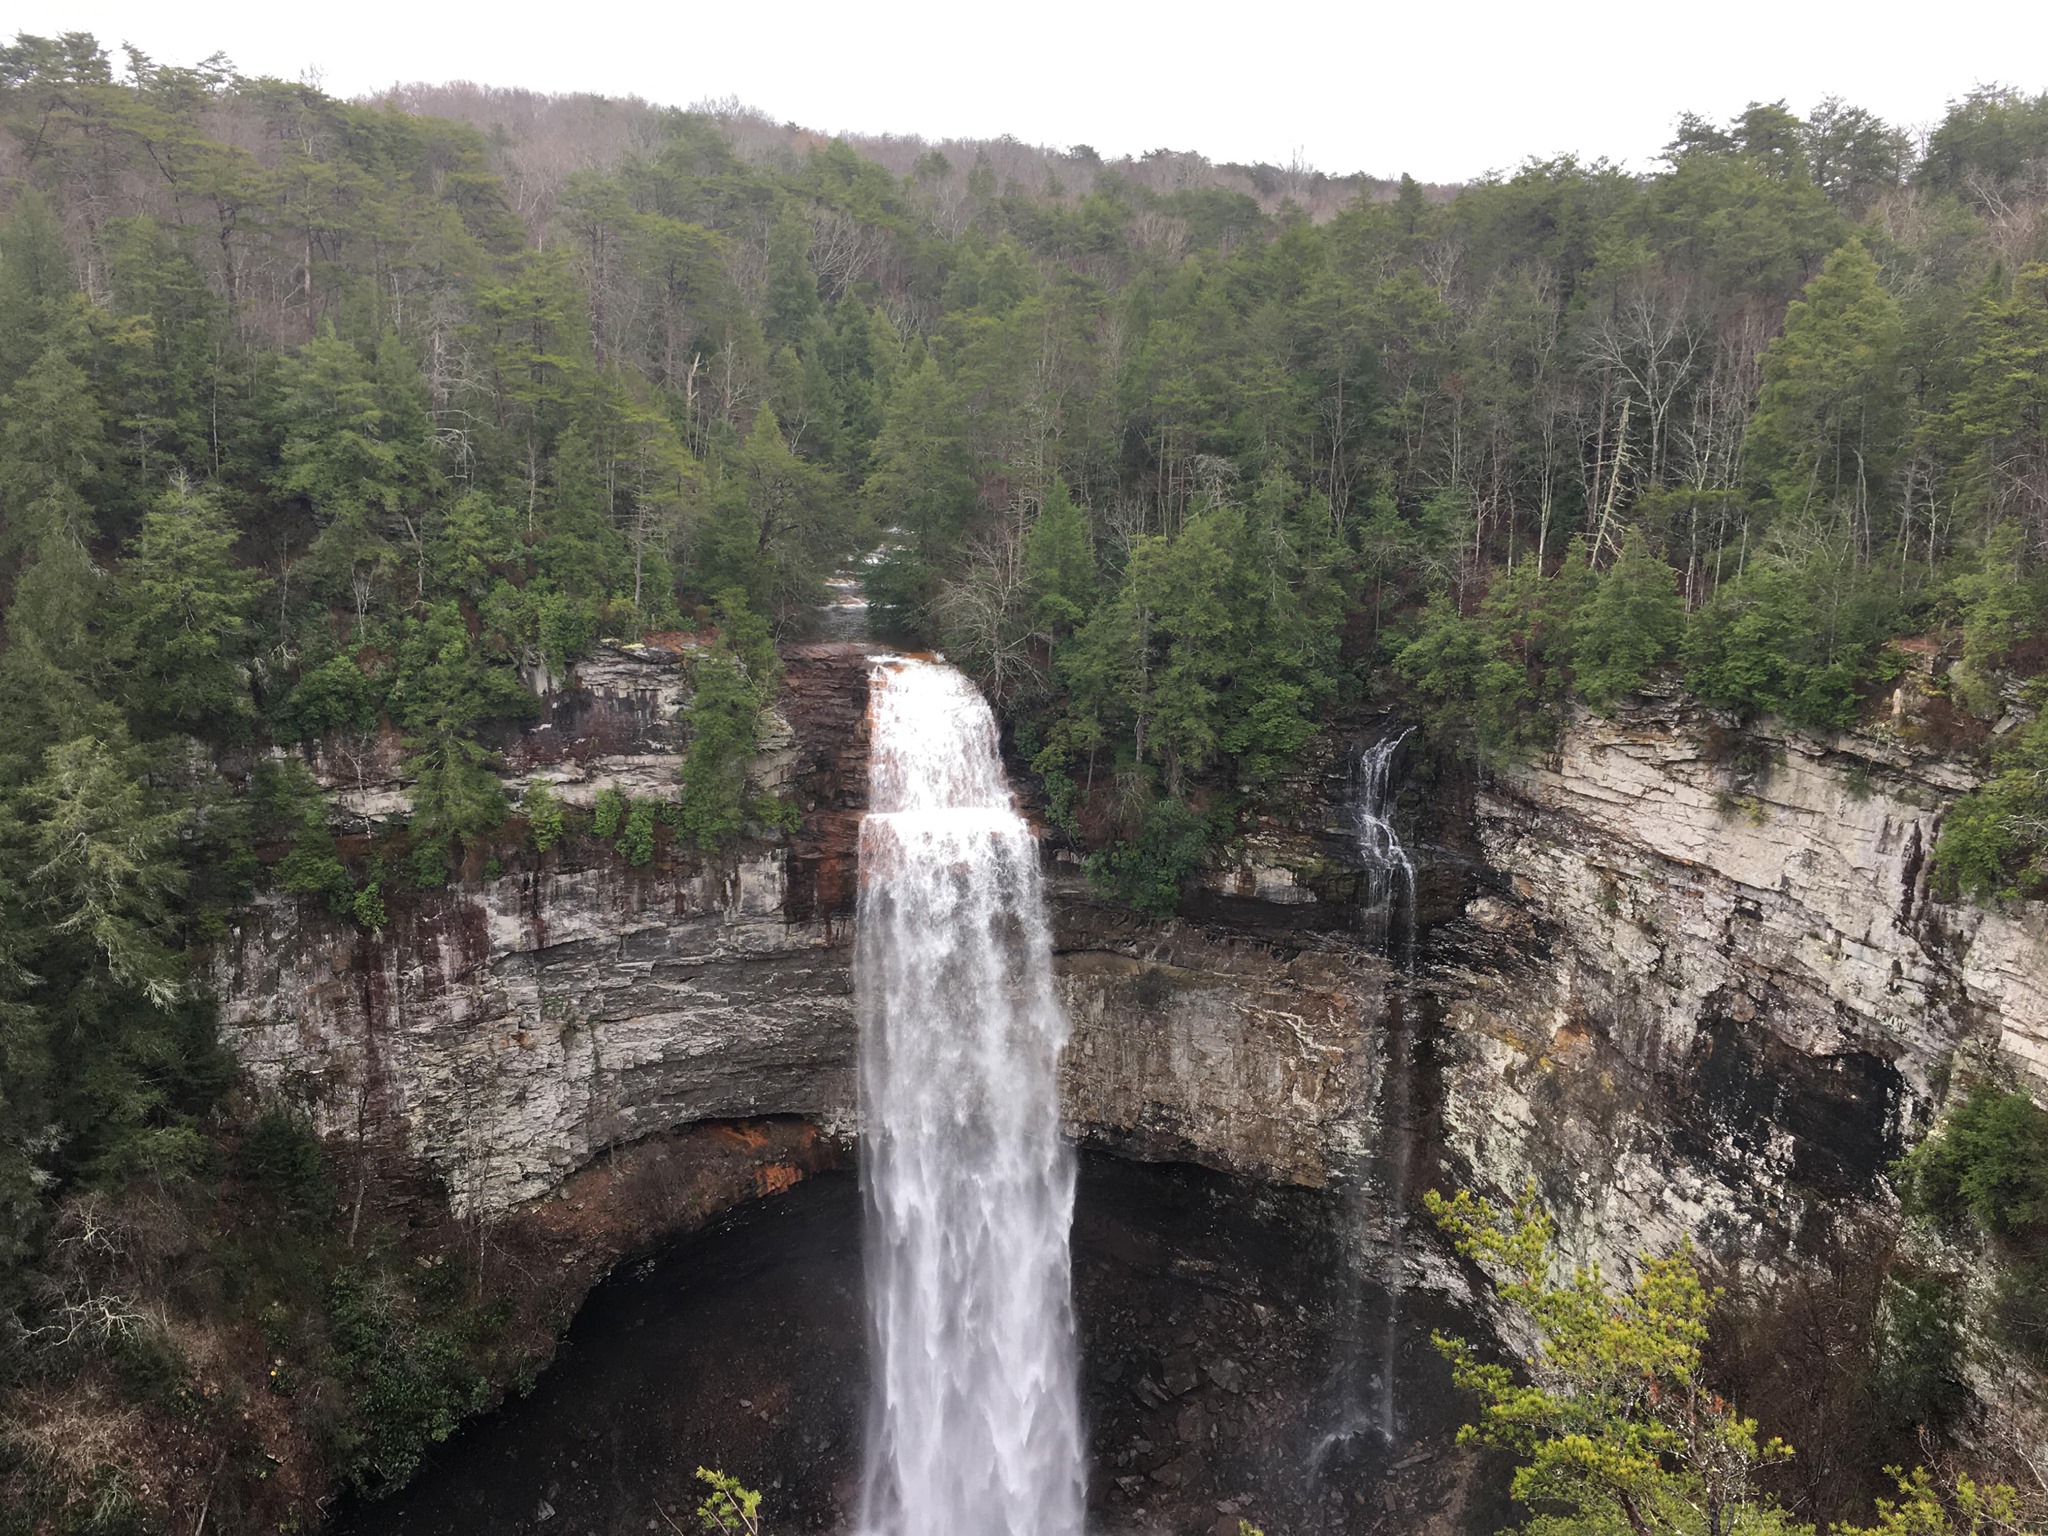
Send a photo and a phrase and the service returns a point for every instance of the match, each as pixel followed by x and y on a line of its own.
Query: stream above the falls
pixel 1213 1316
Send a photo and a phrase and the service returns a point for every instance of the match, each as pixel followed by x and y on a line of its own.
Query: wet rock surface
pixel 1702 983
pixel 1227 1350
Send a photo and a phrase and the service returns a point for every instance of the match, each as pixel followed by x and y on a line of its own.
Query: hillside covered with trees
pixel 320 415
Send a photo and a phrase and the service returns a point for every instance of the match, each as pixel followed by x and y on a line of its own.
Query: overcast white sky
pixel 1443 91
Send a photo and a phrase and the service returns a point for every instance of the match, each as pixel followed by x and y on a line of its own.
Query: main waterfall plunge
pixel 975 1423
pixel 1234 1340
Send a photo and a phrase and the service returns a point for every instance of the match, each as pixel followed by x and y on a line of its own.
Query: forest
pixel 324 416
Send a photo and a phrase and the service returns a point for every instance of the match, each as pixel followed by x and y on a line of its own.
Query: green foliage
pixel 404 1358
pixel 1994 840
pixel 2002 605
pixel 1827 420
pixel 1149 872
pixel 1628 624
pixel 335 696
pixel 1989 141
pixel 105 867
pixel 312 868
pixel 1919 1369
pixel 636 840
pixel 777 524
pixel 1059 566
pixel 456 792
pixel 181 636
pixel 281 1157
pixel 1616 1425
pixel 428 865
pixel 292 806
pixel 367 908
pixel 1796 635
pixel 1987 1164
pixel 1985 1171
pixel 608 812
pixel 732 682
pixel 1930 1508
pixel 728 1509
pixel 543 810
pixel 1219 645
pixel 1496 683
pixel 342 438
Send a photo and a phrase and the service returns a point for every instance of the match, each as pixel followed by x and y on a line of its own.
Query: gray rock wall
pixel 1727 1000
pixel 1687 981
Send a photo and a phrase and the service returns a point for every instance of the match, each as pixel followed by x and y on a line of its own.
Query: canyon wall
pixel 1686 980
pixel 1702 984
pixel 506 1029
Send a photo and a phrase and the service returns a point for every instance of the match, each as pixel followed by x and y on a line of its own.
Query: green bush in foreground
pixel 1619 1432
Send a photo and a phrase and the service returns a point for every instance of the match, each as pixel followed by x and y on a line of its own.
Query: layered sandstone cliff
pixel 505 1030
pixel 1686 979
pixel 1704 985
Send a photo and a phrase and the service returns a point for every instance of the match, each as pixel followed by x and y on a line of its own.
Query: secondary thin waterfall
pixel 1389 872
pixel 1390 908
pixel 975 1423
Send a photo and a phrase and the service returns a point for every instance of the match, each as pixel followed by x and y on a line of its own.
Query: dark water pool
pixel 1227 1346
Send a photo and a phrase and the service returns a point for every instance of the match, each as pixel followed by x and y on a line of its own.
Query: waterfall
pixel 1390 908
pixel 975 1421
pixel 1389 873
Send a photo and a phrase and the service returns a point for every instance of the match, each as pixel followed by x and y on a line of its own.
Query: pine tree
pixel 1059 565
pixel 180 638
pixel 1828 420
pixel 36 285
pixel 1628 624
pixel 51 453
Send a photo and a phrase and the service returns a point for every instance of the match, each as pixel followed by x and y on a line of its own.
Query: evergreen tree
pixel 183 615
pixel 1628 624
pixel 51 452
pixel 36 285
pixel 1829 416
pixel 1059 565
pixel 731 683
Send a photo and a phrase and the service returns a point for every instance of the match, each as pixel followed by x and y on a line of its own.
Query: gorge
pixel 1003 838
pixel 1591 1041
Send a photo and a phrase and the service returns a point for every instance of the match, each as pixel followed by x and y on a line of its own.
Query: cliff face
pixel 1687 981
pixel 1704 987
pixel 503 1031
pixel 1199 1043
pixel 506 1031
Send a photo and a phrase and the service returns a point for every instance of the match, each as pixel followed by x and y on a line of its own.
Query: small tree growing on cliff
pixel 1620 1430
pixel 729 1509
pixel 543 809
pixel 1622 1434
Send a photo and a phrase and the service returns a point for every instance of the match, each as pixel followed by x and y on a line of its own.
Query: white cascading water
pixel 1390 907
pixel 1389 872
pixel 975 1427
pixel 1387 910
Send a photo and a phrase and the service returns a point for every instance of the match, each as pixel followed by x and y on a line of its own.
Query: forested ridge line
pixel 321 418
